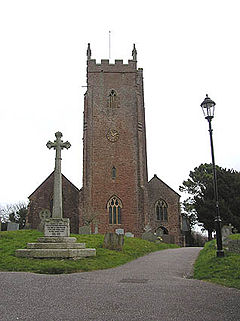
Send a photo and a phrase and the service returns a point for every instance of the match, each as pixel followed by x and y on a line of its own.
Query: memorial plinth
pixel 57 227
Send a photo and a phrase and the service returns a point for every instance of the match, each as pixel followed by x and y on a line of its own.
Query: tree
pixel 15 213
pixel 201 202
pixel 188 210
pixel 89 217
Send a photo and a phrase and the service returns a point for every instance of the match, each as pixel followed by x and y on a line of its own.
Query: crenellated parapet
pixel 106 66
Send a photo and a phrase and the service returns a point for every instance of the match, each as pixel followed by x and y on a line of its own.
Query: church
pixel 116 194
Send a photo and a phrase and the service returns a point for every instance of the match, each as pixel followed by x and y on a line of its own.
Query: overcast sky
pixel 186 48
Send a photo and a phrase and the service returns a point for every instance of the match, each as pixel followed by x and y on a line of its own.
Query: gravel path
pixel 152 288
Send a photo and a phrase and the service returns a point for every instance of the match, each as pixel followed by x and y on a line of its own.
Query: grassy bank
pixel 224 271
pixel 11 241
pixel 234 237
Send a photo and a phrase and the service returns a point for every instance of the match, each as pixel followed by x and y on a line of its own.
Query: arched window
pixel 114 172
pixel 112 99
pixel 161 230
pixel 114 207
pixel 161 210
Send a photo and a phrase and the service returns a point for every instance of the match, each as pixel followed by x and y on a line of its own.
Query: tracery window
pixel 112 99
pixel 161 210
pixel 114 207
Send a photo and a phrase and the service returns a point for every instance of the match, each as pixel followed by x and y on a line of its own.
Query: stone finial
pixel 58 134
pixel 134 53
pixel 89 53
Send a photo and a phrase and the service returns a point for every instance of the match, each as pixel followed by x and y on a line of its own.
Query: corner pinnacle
pixel 89 52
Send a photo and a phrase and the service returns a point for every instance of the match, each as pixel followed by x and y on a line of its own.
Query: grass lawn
pixel 11 241
pixel 224 271
pixel 234 236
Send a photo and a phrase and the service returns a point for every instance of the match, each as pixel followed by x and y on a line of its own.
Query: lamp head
pixel 208 107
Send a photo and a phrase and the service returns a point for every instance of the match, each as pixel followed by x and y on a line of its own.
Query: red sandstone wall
pixel 127 154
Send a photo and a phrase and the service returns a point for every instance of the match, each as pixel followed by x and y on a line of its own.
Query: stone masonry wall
pixel 159 190
pixel 42 198
pixel 101 154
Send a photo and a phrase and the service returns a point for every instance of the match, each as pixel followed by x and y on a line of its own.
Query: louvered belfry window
pixel 112 99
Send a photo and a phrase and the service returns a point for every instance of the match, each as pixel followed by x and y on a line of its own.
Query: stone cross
pixel 58 145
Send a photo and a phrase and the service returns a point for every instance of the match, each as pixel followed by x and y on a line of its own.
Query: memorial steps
pixel 56 247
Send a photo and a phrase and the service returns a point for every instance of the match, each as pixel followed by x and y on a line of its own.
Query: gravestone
pixel 86 229
pixel 96 229
pixel 3 226
pixel 12 226
pixel 119 231
pixel 43 215
pixel 113 241
pixel 56 242
pixel 129 234
pixel 234 246
pixel 226 231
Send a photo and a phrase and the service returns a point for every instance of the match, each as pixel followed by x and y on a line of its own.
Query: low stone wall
pixel 234 246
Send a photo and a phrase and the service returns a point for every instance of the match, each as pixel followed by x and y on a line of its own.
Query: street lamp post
pixel 208 107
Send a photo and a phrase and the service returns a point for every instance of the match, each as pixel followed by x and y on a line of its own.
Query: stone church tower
pixel 116 194
pixel 114 146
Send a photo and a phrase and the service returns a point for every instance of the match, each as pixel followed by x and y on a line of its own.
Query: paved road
pixel 152 288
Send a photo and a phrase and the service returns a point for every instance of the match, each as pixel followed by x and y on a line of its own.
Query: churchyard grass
pixel 234 236
pixel 224 271
pixel 11 241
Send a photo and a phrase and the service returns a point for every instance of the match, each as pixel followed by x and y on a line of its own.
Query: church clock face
pixel 112 135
